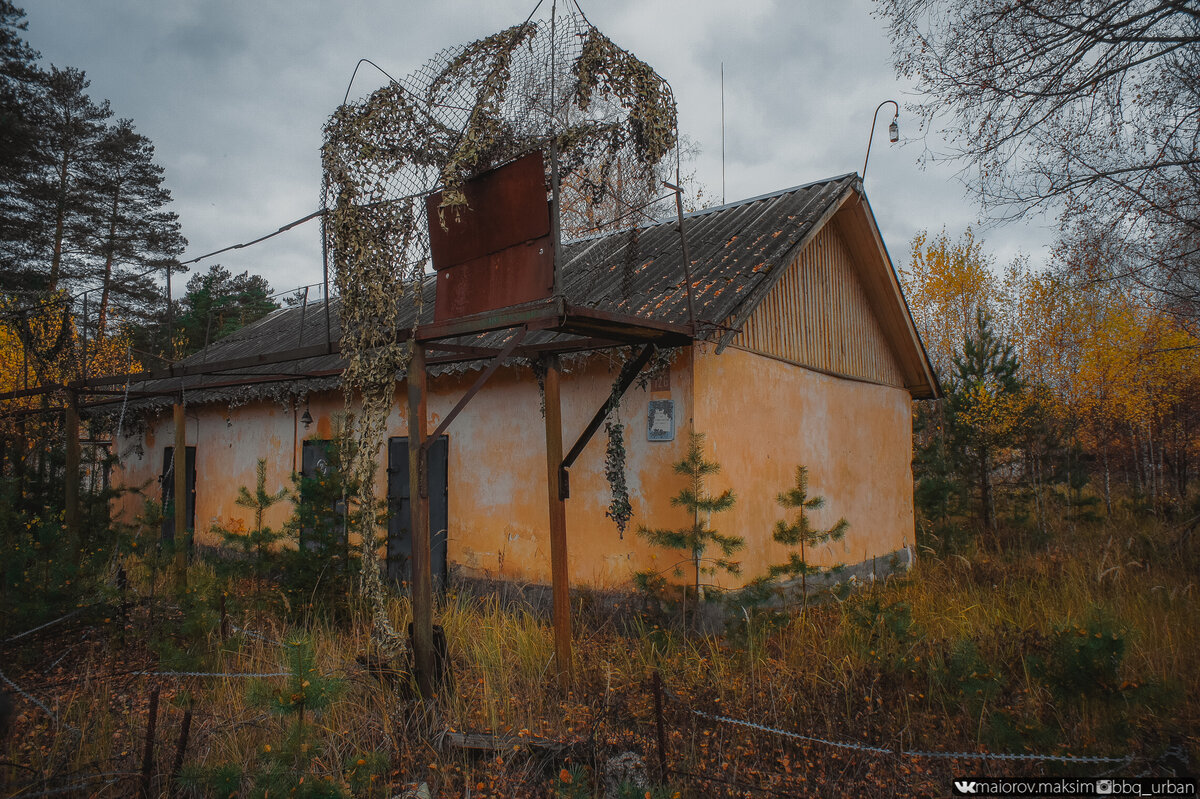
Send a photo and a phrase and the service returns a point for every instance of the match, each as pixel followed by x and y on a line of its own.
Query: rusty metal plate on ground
pixel 514 275
pixel 505 207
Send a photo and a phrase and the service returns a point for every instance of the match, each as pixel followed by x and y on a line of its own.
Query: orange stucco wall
pixel 497 467
pixel 762 417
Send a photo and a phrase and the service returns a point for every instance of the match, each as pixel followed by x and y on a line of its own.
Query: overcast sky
pixel 234 95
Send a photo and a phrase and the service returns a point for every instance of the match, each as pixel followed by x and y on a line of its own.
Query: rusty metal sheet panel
pixel 505 207
pixel 515 275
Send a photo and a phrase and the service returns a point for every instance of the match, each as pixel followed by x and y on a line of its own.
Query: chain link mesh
pixel 558 85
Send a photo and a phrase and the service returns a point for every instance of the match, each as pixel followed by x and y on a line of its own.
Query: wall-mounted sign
pixel 660 420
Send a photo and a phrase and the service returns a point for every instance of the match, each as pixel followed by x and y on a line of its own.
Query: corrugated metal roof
pixel 638 272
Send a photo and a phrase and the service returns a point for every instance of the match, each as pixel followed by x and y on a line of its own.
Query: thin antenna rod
pixel 722 133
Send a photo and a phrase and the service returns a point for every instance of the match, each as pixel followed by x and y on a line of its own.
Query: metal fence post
pixel 660 726
pixel 148 757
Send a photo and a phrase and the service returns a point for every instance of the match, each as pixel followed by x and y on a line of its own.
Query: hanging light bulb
pixel 894 129
pixel 306 419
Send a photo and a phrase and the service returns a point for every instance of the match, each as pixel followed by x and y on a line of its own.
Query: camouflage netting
pixel 545 83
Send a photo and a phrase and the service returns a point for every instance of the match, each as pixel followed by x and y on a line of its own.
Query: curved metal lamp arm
pixel 873 120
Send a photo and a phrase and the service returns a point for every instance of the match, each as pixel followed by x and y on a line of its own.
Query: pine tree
pixel 56 194
pixel 128 232
pixel 800 532
pixel 982 400
pixel 255 542
pixel 940 492
pixel 696 539
pixel 217 302
pixel 306 691
pixel 292 767
pixel 20 82
pixel 323 563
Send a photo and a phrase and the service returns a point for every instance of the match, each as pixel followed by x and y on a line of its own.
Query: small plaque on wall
pixel 660 420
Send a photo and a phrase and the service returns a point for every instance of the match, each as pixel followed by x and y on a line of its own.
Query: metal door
pixel 168 492
pixel 399 550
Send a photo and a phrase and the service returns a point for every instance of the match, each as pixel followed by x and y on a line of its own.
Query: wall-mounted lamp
pixel 893 131
pixel 306 419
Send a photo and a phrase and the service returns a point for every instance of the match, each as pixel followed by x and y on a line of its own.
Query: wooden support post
pixel 418 492
pixel 179 470
pixel 72 478
pixel 558 524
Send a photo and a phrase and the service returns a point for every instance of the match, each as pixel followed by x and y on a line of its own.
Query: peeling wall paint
pixel 497 468
pixel 762 417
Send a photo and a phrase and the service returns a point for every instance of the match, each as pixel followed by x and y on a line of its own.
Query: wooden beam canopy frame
pixel 580 330
pixel 586 330
pixel 619 330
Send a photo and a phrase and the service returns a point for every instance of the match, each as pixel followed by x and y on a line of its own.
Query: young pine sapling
pixel 800 532
pixel 696 538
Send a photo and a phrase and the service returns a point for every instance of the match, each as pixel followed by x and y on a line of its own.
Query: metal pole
pixel 555 222
pixel 687 258
pixel 180 750
pixel 559 578
pixel 418 492
pixel 148 754
pixel 72 477
pixel 325 278
pixel 659 726
pixel 170 347
pixel 875 117
pixel 180 474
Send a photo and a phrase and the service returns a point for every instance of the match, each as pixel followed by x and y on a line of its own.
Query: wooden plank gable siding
pixel 817 315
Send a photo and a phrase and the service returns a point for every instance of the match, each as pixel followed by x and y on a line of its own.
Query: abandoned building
pixel 807 356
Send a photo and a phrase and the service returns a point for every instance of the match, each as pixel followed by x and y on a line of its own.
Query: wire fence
pixel 681 704
pixel 89 783
pixel 40 627
pixel 98 783
pixel 879 750
pixel 33 700
pixel 221 674
pixel 866 749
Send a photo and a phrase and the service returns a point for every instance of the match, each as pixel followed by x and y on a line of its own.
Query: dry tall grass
pixel 952 656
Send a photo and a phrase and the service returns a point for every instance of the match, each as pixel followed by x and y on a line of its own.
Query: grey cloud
pixel 234 96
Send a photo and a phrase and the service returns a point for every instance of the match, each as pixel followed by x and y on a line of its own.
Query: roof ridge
pixel 715 208
pixel 767 196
